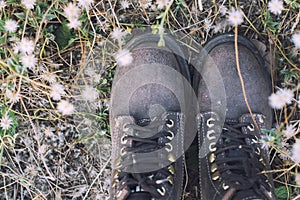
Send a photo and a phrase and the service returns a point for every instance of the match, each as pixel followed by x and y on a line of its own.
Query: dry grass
pixel 49 155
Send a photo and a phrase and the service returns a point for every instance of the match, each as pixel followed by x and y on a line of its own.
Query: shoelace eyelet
pixel 161 191
pixel 171 169
pixel 255 139
pixel 209 123
pixel 212 147
pixel 225 187
pixel 251 127
pixel 216 176
pixel 171 136
pixel 123 139
pixel 258 151
pixel 169 147
pixel 212 158
pixel 169 123
pixel 171 157
pixel 122 151
pixel 213 167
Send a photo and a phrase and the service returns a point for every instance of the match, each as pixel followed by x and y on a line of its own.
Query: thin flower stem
pixel 113 13
pixel 296 198
pixel 285 115
pixel 201 4
pixel 25 24
pixel 162 22
pixel 42 21
pixel 98 176
pixel 250 23
pixel 8 142
pixel 166 13
pixel 283 54
pixel 94 31
pixel 1 153
pixel 241 77
pixel 3 65
pixel 280 170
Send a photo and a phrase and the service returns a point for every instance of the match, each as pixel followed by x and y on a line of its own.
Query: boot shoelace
pixel 154 182
pixel 237 160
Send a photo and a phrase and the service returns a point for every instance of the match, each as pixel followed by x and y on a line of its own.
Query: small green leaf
pixel 161 42
pixel 283 192
pixel 63 35
pixel 50 16
pixel 160 16
pixel 288 74
pixel 38 10
pixel 12 2
pixel 293 3
pixel 181 3
pixel 104 81
pixel 270 24
pixel 2 40
pixel 21 15
pixel 154 28
pixel 2 29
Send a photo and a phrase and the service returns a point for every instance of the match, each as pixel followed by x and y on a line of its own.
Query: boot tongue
pixel 233 153
pixel 234 141
pixel 139 196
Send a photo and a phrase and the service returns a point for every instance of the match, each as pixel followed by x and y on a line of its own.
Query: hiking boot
pixel 147 121
pixel 232 160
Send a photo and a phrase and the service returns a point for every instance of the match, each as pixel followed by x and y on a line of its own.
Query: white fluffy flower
pixel 25 46
pixel 74 23
pixel 29 61
pixel 97 78
pixel 89 93
pixel 285 153
pixel 29 4
pixel 162 3
pixel 49 77
pixel 145 3
pixel 65 108
pixel 220 27
pixel 2 4
pixel 280 98
pixel 275 101
pixel 6 122
pixel 124 4
pixel 235 17
pixel 207 24
pixel 296 40
pixel 124 57
pixel 85 3
pixel 11 25
pixel 275 6
pixel 286 94
pixel 103 25
pixel 89 71
pixel 289 131
pixel 13 97
pixel 265 141
pixel 223 10
pixel 297 179
pixel 72 11
pixel 57 90
pixel 118 34
pixel 296 151
pixel 48 131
